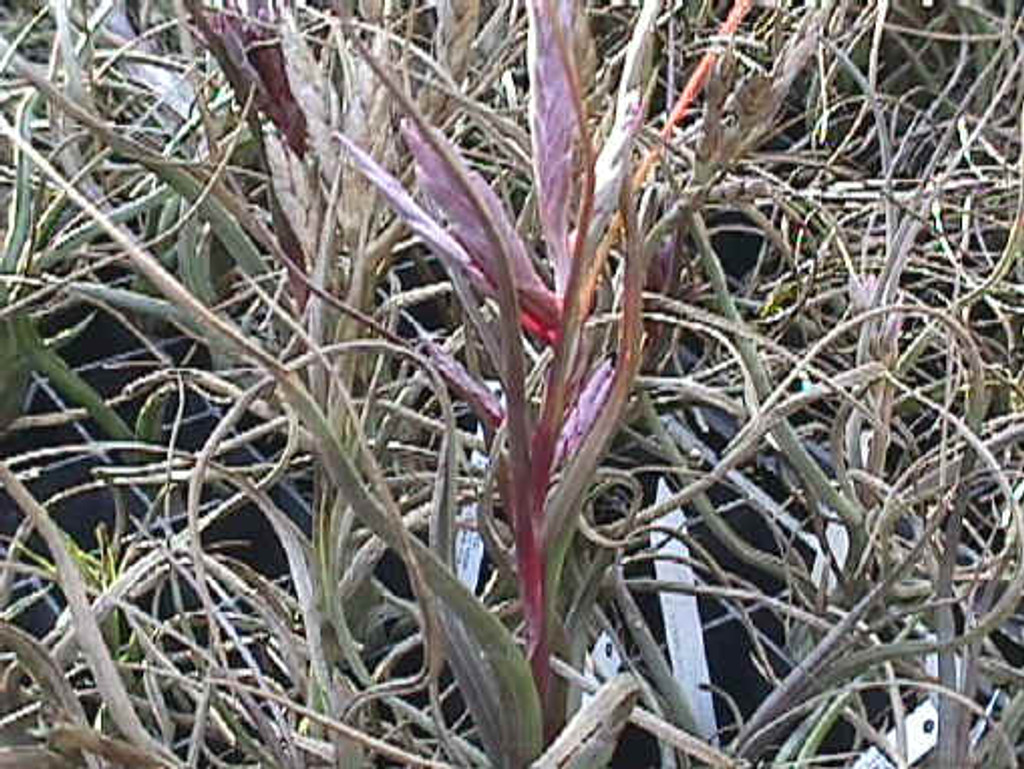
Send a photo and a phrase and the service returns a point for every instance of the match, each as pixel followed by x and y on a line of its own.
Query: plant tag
pixel 602 663
pixel 922 736
pixel 684 632
pixel 1018 495
pixel 607 661
pixel 469 551
pixel 469 546
pixel 981 725
pixel 838 542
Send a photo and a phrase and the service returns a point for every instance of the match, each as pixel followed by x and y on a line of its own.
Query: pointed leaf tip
pixel 447 188
pixel 588 406
pixel 553 124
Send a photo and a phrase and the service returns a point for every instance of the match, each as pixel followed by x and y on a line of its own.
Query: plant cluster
pixel 645 307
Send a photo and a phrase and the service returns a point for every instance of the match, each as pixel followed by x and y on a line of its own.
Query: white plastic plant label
pixel 469 546
pixel 684 632
pixel 922 727
pixel 603 661
pixel 469 551
pixel 1018 496
pixel 838 542
pixel 606 657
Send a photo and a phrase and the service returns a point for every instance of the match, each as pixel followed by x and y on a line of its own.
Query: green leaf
pixel 76 390
pixel 14 375
pixel 483 652
pixel 224 225
pixel 149 423
pixel 20 212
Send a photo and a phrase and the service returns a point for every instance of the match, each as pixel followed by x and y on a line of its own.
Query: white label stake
pixel 922 727
pixel 469 546
pixel 602 662
pixel 683 629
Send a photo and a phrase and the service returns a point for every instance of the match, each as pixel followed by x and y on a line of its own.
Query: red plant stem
pixel 542 454
pixel 532 564
pixel 694 86
pixel 530 568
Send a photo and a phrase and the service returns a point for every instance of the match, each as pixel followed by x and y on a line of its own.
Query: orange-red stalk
pixel 694 86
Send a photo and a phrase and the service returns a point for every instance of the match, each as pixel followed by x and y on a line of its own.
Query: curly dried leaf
pixel 109 684
pixel 38 661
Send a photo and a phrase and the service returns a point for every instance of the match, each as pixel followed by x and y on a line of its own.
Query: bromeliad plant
pixel 296 668
pixel 549 448
pixel 551 452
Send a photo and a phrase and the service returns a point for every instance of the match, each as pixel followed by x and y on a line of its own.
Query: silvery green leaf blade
pixel 14 376
pixel 481 692
pixel 486 651
pixel 66 380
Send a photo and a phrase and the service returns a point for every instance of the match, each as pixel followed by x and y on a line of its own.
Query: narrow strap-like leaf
pixel 485 405
pixel 553 122
pixel 419 221
pixel 613 162
pixel 591 402
pixel 540 307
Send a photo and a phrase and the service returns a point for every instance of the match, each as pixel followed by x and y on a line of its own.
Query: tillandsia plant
pixel 869 358
pixel 549 453
pixel 251 56
pixel 23 348
pixel 552 451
